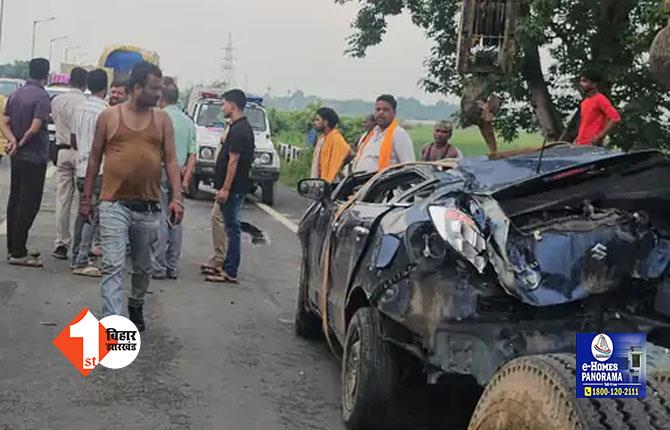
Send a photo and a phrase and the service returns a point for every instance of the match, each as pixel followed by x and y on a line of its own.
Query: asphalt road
pixel 213 356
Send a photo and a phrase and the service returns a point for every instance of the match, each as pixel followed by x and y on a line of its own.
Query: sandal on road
pixel 27 261
pixel 221 278
pixel 90 271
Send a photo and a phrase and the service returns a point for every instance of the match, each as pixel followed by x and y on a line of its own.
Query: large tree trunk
pixel 548 117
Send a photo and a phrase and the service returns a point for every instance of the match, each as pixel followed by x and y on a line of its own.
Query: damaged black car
pixel 488 269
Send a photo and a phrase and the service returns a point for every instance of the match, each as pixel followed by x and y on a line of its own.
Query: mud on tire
pixel 538 392
pixel 369 374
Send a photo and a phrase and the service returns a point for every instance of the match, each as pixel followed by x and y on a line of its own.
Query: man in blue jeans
pixel 137 140
pixel 231 178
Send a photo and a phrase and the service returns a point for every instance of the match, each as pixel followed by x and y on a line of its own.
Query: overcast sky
pixel 281 44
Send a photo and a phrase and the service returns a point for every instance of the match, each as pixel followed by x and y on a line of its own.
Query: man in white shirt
pixel 83 130
pixel 388 144
pixel 62 110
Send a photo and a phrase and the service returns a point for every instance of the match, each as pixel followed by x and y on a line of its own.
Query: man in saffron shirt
pixel 597 115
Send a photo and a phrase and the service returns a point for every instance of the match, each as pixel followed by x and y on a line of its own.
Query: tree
pixel 611 35
pixel 15 70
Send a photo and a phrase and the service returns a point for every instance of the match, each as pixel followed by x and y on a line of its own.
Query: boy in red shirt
pixel 597 115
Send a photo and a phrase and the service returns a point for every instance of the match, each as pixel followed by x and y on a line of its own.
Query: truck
pixel 205 110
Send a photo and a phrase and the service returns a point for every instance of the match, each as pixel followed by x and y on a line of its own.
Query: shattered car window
pixel 392 188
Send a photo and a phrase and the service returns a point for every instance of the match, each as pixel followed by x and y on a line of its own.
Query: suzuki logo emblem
pixel 599 252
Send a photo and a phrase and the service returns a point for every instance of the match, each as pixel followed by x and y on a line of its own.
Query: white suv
pixel 211 125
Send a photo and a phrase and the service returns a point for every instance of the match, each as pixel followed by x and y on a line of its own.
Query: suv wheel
pixel 535 391
pixel 369 374
pixel 306 323
pixel 268 193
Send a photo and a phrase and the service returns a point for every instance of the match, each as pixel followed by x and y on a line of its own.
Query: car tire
pixel 193 188
pixel 369 374
pixel 536 391
pixel 306 323
pixel 268 193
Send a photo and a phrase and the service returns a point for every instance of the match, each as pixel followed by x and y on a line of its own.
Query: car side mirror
pixel 314 189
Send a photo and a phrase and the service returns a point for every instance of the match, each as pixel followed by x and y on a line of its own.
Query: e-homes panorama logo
pixel 602 347
pixel 113 342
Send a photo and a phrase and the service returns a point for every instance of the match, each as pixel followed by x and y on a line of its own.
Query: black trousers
pixel 25 198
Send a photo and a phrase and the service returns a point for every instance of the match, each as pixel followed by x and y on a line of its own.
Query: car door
pixel 315 229
pixel 351 234
pixel 323 214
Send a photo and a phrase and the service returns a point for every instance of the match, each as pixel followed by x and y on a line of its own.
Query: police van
pixel 211 126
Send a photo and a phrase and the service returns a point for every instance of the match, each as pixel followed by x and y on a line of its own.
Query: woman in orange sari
pixel 332 152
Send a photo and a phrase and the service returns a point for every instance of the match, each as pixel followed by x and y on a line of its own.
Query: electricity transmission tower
pixel 228 65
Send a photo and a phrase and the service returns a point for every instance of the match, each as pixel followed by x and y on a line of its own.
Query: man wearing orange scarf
pixel 332 152
pixel 388 144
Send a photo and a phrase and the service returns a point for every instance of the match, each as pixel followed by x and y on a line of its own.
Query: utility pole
pixel 39 21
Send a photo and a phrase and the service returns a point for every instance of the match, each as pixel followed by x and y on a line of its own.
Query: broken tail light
pixel 460 231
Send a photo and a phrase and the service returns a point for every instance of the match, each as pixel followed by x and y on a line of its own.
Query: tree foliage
pixel 568 35
pixel 292 126
pixel 15 70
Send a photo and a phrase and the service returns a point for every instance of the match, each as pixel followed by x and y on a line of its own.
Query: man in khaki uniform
pixel 62 110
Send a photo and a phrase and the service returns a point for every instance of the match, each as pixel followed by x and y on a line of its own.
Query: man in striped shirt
pixel 83 129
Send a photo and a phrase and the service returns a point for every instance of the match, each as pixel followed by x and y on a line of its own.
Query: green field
pixel 470 141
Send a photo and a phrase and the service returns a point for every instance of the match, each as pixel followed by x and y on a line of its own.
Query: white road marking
pixel 279 217
pixel 51 171
pixel 3 228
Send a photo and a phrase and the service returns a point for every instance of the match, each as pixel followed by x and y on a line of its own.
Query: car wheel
pixel 193 188
pixel 306 323
pixel 369 374
pixel 532 392
pixel 268 193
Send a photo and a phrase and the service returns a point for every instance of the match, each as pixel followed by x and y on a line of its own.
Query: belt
pixel 61 146
pixel 140 205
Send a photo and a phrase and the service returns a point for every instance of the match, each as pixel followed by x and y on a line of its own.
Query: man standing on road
pixel 118 92
pixel 167 249
pixel 25 127
pixel 388 144
pixel 62 108
pixel 332 152
pixel 136 139
pixel 231 178
pixel 83 131
pixel 597 115
pixel 440 148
